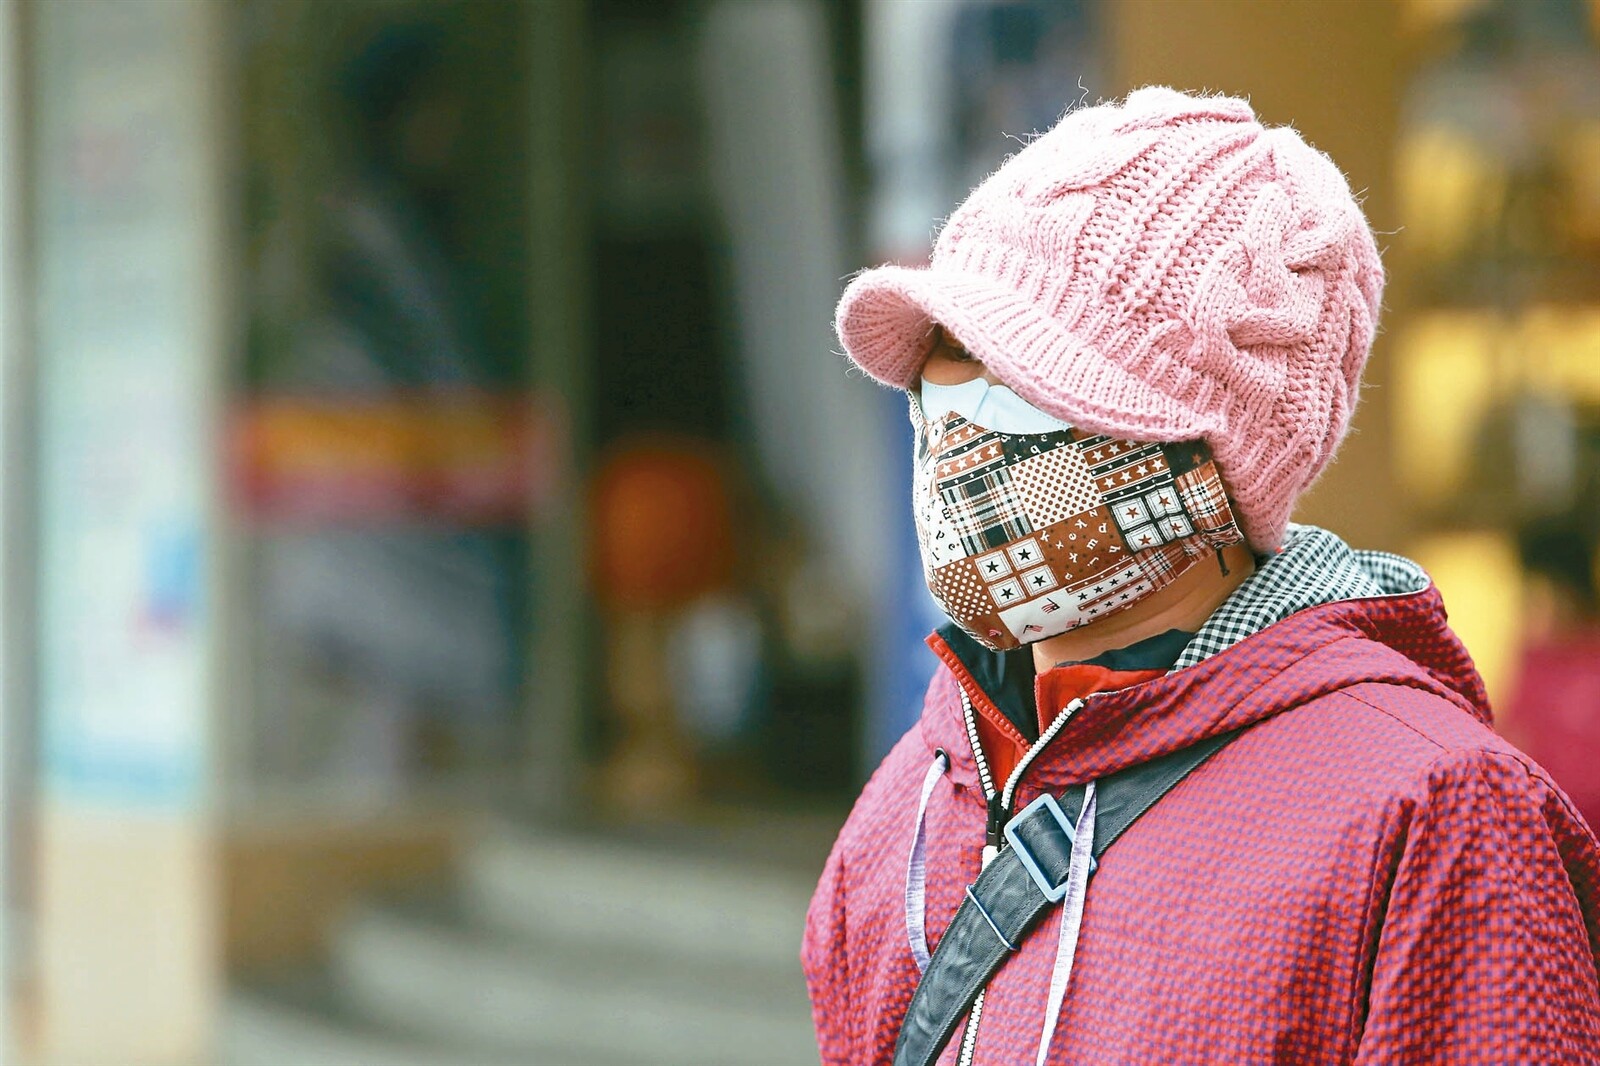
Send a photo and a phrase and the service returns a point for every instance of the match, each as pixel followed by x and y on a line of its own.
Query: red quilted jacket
pixel 1368 874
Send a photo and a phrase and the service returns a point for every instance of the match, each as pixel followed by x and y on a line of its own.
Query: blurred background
pixel 451 589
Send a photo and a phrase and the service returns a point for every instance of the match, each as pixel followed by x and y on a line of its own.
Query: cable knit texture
pixel 1162 269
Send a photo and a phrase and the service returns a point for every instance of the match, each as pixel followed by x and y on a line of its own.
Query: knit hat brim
pixel 885 317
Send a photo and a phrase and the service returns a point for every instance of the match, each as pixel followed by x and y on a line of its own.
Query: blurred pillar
pixel 130 330
pixel 13 644
pixel 1333 72
pixel 562 359
pixel 909 130
pixel 775 165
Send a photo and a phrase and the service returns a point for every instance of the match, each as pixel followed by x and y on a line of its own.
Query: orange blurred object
pixel 662 525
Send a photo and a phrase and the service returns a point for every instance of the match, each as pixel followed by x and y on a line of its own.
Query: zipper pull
pixel 994 827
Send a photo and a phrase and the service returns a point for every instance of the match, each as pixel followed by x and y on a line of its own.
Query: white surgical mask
pixel 986 404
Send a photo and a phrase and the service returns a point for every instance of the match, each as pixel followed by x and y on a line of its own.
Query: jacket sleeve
pixel 1486 944
pixel 822 956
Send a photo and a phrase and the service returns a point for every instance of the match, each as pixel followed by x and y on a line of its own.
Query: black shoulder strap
pixel 1008 900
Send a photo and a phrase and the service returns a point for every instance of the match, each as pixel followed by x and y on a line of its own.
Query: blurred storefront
pixel 1497 363
pixel 431 496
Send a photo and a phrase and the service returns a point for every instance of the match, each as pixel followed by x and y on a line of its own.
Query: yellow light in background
pixel 1444 383
pixel 1559 351
pixel 1424 16
pixel 1581 147
pixel 1479 575
pixel 1449 189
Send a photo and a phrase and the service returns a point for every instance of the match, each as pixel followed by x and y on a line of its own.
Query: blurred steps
pixel 591 949
pixel 621 896
pixel 462 983
pixel 296 1022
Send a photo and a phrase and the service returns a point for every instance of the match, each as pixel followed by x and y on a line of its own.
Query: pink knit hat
pixel 1165 269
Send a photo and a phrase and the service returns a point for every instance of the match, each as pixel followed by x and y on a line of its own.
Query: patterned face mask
pixel 1030 528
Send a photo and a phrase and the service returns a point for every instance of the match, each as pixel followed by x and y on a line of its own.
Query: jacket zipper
pixel 999 813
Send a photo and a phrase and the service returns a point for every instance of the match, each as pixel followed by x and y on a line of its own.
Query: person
pixel 1135 345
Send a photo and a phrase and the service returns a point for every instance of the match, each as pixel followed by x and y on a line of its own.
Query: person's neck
pixel 1185 604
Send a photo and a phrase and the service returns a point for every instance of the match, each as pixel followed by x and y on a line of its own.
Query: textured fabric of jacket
pixel 1367 875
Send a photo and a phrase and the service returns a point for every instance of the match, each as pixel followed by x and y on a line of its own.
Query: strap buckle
pixel 1047 802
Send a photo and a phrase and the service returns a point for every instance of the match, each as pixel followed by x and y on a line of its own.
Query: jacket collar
pixel 1312 568
pixel 1006 681
pixel 1316 617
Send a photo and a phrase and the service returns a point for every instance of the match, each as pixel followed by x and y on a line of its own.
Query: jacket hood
pixel 1314 618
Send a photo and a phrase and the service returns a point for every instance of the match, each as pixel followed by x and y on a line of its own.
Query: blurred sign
pixel 127 332
pixel 466 458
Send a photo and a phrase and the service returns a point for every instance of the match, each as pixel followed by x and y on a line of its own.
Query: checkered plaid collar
pixel 1314 567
